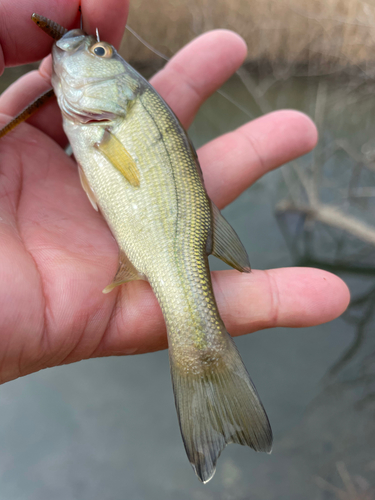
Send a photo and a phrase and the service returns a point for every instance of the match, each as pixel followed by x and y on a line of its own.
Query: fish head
pixel 91 80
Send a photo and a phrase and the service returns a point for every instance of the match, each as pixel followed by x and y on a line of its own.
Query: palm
pixel 57 253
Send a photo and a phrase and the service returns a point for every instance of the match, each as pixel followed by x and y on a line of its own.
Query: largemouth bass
pixel 139 168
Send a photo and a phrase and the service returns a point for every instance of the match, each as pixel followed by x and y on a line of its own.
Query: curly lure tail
pixel 52 29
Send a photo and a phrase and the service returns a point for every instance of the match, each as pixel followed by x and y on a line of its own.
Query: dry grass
pixel 353 488
pixel 323 34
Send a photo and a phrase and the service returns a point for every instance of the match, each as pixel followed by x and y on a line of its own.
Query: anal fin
pixel 119 157
pixel 225 243
pixel 125 272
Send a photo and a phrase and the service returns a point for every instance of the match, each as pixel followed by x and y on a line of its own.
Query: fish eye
pixel 102 49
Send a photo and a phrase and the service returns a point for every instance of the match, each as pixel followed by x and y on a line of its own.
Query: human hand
pixel 57 254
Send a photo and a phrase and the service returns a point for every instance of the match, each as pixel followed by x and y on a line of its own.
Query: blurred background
pixel 106 428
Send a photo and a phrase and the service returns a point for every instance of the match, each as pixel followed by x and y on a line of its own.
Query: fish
pixel 139 167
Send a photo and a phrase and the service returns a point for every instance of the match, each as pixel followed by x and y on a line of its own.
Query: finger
pixel 293 297
pixel 198 70
pixel 19 95
pixel 21 41
pixel 286 297
pixel 234 161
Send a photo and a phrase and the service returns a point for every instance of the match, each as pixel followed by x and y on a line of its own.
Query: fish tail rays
pixel 216 407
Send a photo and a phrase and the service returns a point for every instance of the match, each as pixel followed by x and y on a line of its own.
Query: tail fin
pixel 216 407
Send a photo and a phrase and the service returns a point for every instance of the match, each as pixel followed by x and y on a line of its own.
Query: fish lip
pixel 72 43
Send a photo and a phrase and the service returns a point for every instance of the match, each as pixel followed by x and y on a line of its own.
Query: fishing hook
pixel 81 18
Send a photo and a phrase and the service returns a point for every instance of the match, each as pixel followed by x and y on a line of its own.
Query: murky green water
pixel 107 428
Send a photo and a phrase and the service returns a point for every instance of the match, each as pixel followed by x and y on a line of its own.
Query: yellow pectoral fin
pixel 116 153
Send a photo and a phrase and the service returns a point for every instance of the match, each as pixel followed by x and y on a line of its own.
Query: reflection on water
pixel 335 439
pixel 107 428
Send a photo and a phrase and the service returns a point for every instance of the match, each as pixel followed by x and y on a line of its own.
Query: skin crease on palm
pixel 56 252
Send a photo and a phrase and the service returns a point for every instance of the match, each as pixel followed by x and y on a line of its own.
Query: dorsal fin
pixel 225 243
